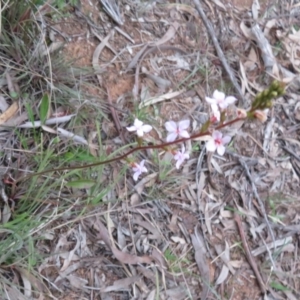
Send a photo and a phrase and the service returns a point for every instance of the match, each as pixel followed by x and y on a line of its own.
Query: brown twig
pixel 249 256
pixel 115 116
pixel 220 53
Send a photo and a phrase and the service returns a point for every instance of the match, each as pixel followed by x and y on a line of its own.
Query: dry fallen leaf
pixel 10 112
pixel 200 257
pixel 123 257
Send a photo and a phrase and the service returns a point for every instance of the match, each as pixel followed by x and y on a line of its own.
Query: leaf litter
pixel 180 240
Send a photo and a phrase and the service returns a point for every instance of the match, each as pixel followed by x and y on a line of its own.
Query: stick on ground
pixel 220 53
pixel 249 255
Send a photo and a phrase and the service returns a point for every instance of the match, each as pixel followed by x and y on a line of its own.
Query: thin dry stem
pixel 220 53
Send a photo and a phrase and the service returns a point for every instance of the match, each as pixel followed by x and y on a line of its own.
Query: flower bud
pixel 274 94
pixel 241 113
pixel 261 115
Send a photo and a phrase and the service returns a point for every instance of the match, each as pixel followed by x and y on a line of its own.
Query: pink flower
pixel 177 129
pixel 139 127
pixel 216 113
pixel 261 115
pixel 220 99
pixel 181 156
pixel 218 142
pixel 138 169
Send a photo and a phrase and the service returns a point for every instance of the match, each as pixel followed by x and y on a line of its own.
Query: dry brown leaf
pixel 9 113
pixel 139 187
pixel 123 257
pixel 156 233
pixel 200 257
pixel 70 256
pixel 177 293
pixel 223 275
pixel 159 258
pixel 121 284
pixel 184 8
pixel 167 36
pixel 13 293
pixel 246 30
pixel 255 9
pixel 77 282
pixel 121 237
pixel 97 53
pixel 297 111
pixel 267 247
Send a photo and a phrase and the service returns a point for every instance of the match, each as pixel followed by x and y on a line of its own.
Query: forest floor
pixel 219 227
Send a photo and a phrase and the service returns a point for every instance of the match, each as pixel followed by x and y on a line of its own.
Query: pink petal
pixel 137 123
pixel 211 146
pixel 136 168
pixel 136 175
pixel 184 124
pixel 230 99
pixel 131 128
pixel 216 112
pixel 171 126
pixel 140 132
pixel 220 96
pixel 217 135
pixel 146 128
pixel 221 150
pixel 223 105
pixel 226 139
pixel 211 100
pixel 142 163
pixel 177 155
pixel 178 163
pixel 171 137
pixel 214 108
pixel 184 134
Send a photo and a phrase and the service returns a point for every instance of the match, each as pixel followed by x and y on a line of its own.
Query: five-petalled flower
pixel 138 169
pixel 181 156
pixel 217 142
pixel 177 129
pixel 139 127
pixel 221 100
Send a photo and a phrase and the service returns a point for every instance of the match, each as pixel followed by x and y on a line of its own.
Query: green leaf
pixel 30 112
pixel 14 95
pixel 278 286
pixel 44 108
pixel 81 184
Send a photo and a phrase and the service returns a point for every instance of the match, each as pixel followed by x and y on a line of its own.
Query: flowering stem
pixel 139 148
